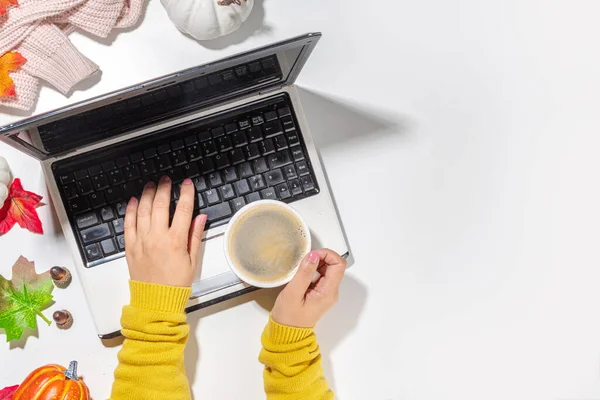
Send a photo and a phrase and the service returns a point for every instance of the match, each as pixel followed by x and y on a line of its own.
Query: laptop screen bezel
pixel 306 43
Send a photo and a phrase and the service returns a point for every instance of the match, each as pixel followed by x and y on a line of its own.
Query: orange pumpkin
pixel 53 382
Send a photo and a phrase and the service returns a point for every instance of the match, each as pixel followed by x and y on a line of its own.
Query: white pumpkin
pixel 4 180
pixel 208 19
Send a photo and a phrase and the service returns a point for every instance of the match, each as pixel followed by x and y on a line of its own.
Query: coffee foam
pixel 267 243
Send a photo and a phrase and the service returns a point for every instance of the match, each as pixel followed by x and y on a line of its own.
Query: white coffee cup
pixel 239 271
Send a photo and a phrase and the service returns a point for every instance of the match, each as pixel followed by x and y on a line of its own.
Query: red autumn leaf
pixel 9 62
pixel 4 4
pixel 19 208
pixel 7 392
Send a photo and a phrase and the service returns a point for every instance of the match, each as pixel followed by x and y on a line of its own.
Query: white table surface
pixel 461 141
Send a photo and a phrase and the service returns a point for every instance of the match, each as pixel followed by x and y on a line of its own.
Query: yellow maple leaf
pixel 9 62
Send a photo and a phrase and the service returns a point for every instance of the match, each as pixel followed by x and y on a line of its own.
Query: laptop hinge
pixel 270 89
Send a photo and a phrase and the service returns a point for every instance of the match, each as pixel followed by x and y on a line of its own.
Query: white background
pixel 461 141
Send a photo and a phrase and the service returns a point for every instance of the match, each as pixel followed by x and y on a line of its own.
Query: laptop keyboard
pixel 244 156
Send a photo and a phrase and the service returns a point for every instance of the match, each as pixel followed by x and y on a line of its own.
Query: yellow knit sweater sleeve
pixel 292 362
pixel 151 360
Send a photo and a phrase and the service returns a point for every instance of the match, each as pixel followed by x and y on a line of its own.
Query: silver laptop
pixel 235 127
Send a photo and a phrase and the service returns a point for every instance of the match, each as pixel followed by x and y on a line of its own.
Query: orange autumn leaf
pixel 4 5
pixel 9 62
pixel 19 208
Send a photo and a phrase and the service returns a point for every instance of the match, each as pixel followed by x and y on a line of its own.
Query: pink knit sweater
pixel 38 29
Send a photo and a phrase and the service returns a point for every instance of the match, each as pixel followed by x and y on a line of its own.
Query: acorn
pixel 60 276
pixel 63 319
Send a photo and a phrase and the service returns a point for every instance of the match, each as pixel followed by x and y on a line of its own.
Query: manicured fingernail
pixel 164 179
pixel 150 185
pixel 187 181
pixel 313 257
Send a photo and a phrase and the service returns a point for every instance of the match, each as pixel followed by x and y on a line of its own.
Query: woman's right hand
pixel 303 302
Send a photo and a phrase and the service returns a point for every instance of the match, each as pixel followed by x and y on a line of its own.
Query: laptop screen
pixel 164 98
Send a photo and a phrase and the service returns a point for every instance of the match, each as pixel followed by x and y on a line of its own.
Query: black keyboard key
pixel 228 75
pixel 245 170
pixel 122 161
pixel 255 67
pixel 292 138
pixel 217 212
pixel 242 187
pixel 252 151
pixel 280 142
pixel 295 187
pixel 194 153
pixel 297 154
pixel 283 192
pixel 244 124
pixel 79 204
pixel 200 203
pixel 272 128
pixel 96 199
pixel 257 120
pixel 255 134
pixel 239 139
pixel 237 204
pixel 201 83
pixel 279 159
pixel 230 174
pixel 206 165
pixel 191 170
pixel 268 63
pixel 175 189
pixel 85 186
pixel 176 174
pixel 217 132
pixel 283 111
pixel 209 148
pixel 150 153
pixel 95 233
pixel 190 140
pixel 214 79
pixel 121 242
pixel 118 226
pixel 230 128
pixel 108 247
pixel 252 197
pixel 204 136
pixel 100 182
pixel 307 183
pixel 177 144
pixel 71 190
pixel 288 123
pixel 95 170
pixel 82 173
pixel 223 143
pixel 131 189
pixel 268 194
pixel 215 179
pixel 113 194
pixel 260 165
pixel 199 183
pixel 179 157
pixel 131 172
pixel 237 156
pixel 212 196
pixel 107 213
pixel 93 252
pixel 164 162
pixel 147 167
pixel 267 147
pixel 302 168
pixel 242 70
pixel 115 177
pixel 174 91
pixel 270 115
pixel 136 157
pixel 67 178
pixel 86 219
pixel 164 148
pixel 227 192
pixel 257 182
pixel 274 177
pixel 290 172
pixel 222 161
pixel 121 208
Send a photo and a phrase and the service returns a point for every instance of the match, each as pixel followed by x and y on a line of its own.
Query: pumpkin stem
pixel 71 372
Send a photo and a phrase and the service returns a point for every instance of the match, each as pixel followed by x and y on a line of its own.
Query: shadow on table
pixel 254 25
